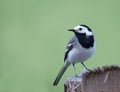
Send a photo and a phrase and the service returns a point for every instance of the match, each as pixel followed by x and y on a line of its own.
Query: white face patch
pixel 82 29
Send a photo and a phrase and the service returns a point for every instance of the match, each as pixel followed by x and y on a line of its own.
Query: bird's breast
pixel 79 54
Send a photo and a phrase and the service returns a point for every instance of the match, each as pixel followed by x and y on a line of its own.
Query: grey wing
pixel 69 47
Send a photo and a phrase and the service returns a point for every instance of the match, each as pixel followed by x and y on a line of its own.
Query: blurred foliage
pixel 33 37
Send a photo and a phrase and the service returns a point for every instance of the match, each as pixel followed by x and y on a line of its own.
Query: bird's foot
pixel 76 75
pixel 89 70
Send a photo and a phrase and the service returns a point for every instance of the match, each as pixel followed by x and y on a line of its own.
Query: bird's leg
pixel 85 66
pixel 75 70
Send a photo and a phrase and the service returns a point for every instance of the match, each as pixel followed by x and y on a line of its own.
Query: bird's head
pixel 82 30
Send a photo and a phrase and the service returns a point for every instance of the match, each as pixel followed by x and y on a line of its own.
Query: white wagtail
pixel 80 48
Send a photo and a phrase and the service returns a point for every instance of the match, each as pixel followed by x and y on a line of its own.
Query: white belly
pixel 80 54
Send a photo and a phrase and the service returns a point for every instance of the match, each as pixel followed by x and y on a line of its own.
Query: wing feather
pixel 69 47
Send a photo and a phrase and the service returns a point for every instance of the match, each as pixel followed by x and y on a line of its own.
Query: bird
pixel 79 49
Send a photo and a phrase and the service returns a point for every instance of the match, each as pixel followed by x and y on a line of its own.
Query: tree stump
pixel 105 79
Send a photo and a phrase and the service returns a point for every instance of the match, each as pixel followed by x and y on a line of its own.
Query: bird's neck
pixel 85 41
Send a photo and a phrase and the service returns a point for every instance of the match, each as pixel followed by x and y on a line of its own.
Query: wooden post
pixel 105 79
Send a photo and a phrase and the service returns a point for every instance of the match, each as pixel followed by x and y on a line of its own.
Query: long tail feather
pixel 60 74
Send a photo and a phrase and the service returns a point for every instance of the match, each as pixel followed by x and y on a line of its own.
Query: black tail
pixel 60 74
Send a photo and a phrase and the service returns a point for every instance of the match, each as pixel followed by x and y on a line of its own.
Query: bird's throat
pixel 85 41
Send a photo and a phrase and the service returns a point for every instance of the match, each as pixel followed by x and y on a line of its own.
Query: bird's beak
pixel 71 30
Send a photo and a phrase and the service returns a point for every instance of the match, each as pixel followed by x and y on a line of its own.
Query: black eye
pixel 80 28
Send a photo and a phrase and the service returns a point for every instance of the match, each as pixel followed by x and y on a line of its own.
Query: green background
pixel 33 37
